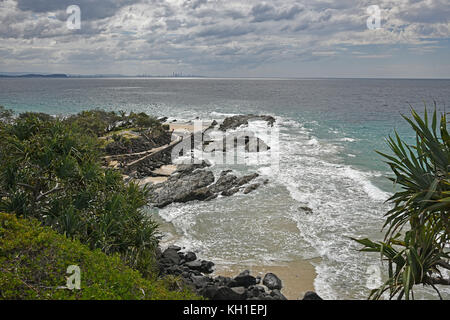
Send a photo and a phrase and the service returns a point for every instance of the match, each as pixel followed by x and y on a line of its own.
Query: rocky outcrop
pixel 190 183
pixel 181 187
pixel 238 140
pixel 194 274
pixel 240 120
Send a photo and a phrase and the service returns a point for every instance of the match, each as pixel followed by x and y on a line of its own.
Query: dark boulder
pixel 209 291
pixel 194 265
pixel 222 281
pixel 200 281
pixel 190 256
pixel 171 255
pixel 226 293
pixel 272 282
pixel 173 270
pixel 244 279
pixel 277 295
pixel 310 295
pixel 201 266
pixel 207 266
pixel 255 292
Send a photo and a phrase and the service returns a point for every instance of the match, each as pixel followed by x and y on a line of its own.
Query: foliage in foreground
pixel 418 226
pixel 34 261
pixel 50 171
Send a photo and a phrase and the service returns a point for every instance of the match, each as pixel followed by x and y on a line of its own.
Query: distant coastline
pixel 63 75
pixel 31 75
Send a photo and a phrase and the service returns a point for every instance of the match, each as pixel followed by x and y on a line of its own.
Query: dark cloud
pixel 266 12
pixel 90 9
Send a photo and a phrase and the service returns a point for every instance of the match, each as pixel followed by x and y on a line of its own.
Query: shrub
pixel 50 171
pixel 34 261
pixel 95 122
pixel 100 122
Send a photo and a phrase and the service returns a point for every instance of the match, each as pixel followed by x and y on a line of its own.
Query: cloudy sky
pixel 249 38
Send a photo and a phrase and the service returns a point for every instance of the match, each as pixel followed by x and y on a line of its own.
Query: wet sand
pixel 186 127
pixel 152 180
pixel 297 277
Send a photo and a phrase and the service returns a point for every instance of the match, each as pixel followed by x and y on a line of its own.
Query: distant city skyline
pixel 217 38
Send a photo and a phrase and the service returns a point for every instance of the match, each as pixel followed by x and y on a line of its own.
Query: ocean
pixel 329 129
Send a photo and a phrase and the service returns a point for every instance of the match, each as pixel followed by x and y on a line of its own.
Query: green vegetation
pixel 34 261
pixel 100 122
pixel 418 226
pixel 50 172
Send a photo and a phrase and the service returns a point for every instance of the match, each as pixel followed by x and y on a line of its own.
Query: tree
pixel 417 227
pixel 50 170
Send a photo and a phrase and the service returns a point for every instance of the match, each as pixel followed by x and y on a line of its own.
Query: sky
pixel 228 38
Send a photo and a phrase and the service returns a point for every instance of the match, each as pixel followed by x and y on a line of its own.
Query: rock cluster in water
pixel 241 120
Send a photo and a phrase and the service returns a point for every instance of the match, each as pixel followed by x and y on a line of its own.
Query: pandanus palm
pixel 417 227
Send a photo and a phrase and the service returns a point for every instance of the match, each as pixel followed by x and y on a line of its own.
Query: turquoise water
pixel 329 130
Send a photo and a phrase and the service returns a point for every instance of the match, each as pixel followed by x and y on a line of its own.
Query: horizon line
pixel 22 75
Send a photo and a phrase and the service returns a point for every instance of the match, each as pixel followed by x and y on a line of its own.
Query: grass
pixel 34 260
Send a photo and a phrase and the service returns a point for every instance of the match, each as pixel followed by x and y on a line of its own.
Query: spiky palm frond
pixel 422 205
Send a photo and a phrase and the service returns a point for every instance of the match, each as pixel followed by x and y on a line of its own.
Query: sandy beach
pixel 297 277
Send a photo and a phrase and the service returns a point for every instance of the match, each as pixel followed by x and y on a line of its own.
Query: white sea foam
pixel 363 178
pixel 220 115
pixel 347 139
pixel 344 201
